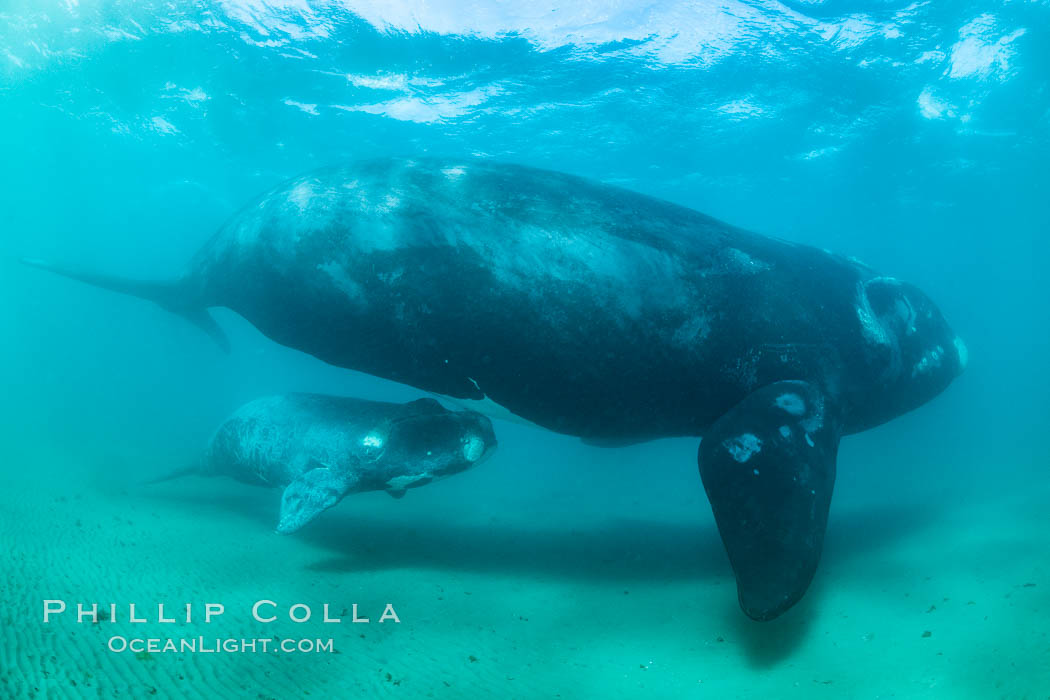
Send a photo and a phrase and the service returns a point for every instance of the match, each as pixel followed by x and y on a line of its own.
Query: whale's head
pixel 433 442
pixel 912 351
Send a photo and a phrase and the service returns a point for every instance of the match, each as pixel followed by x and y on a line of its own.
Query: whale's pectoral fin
pixel 768 466
pixel 397 493
pixel 310 493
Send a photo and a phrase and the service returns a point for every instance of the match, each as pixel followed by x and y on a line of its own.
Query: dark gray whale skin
pixel 592 311
pixel 320 448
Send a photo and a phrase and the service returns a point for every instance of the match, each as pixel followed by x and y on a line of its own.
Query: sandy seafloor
pixel 564 584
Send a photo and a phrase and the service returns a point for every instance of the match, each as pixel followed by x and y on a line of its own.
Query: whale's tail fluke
pixel 189 470
pixel 170 295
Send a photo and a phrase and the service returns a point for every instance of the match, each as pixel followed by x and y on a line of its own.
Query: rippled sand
pixel 562 585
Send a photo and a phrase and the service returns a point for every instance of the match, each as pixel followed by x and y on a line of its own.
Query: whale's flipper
pixel 311 493
pixel 768 466
pixel 170 295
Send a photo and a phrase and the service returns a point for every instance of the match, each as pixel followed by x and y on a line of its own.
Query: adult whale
pixel 593 311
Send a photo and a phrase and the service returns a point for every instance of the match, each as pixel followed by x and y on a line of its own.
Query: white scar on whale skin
pixel 743 447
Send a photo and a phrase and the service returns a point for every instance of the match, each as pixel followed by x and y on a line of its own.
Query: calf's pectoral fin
pixel 310 493
pixel 768 466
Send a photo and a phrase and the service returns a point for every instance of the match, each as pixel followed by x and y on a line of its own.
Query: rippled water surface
pixel 914 136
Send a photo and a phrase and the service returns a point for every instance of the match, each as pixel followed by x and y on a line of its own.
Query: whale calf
pixel 593 311
pixel 320 448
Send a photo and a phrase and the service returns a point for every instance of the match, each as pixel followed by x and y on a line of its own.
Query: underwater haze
pixel 914 136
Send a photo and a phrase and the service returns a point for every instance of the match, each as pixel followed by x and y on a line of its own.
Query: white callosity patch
pixel 785 431
pixel 372 440
pixel 962 352
pixel 873 331
pixel 792 403
pixel 473 448
pixel 743 447
pixel 930 361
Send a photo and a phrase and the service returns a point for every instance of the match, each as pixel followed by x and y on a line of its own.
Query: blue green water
pixel 914 136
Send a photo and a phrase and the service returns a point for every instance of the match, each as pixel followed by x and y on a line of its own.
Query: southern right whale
pixel 319 448
pixel 593 311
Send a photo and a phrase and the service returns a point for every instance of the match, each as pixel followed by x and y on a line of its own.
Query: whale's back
pixel 631 315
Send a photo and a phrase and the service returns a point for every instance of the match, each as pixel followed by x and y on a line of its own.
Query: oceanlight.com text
pixel 218 645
